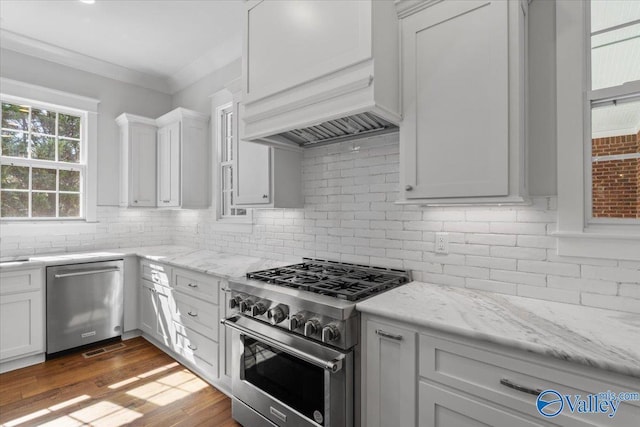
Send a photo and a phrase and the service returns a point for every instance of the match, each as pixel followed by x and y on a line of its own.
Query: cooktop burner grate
pixel 340 280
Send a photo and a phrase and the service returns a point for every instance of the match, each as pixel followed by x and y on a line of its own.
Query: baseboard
pixel 23 362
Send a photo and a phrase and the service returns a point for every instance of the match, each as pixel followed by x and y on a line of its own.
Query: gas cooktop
pixel 351 282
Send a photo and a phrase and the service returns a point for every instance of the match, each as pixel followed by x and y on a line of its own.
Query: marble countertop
pixel 220 264
pixel 596 337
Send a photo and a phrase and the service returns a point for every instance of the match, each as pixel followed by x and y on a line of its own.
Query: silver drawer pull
pixel 389 335
pixel 507 383
pixel 192 285
pixel 192 314
pixel 192 347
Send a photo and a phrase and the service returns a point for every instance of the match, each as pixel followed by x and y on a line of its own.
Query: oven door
pixel 288 379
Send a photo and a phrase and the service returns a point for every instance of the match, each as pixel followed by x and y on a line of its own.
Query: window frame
pixel 14 91
pixel 577 233
pixel 225 100
pixel 31 163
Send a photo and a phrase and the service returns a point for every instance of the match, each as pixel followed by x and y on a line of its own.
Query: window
pixel 597 116
pixel 42 162
pixel 614 103
pixel 225 120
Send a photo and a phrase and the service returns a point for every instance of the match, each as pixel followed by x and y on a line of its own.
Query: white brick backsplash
pixel 350 215
pixel 467 271
pixel 491 286
pixel 611 273
pixel 467 227
pixel 588 285
pixel 491 262
pixel 519 277
pixel 494 215
pixel 518 252
pixel 558 269
pixel 559 295
pixel 631 305
pixel 443 279
pixel 518 228
pixel 537 241
pixel 492 239
pixel 630 290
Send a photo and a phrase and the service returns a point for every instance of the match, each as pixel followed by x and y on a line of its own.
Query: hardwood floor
pixel 137 385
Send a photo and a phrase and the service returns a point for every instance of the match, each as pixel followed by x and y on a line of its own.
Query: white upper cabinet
pixel 308 62
pixel 137 161
pixel 263 176
pixel 463 65
pixel 183 160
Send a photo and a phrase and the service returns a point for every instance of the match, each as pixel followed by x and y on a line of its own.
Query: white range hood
pixel 318 72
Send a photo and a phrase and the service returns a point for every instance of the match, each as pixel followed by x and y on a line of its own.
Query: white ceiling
pixel 165 44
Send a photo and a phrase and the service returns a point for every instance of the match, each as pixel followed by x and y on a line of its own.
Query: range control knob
pixel 246 304
pixel 235 301
pixel 312 327
pixel 297 321
pixel 277 314
pixel 330 333
pixel 259 308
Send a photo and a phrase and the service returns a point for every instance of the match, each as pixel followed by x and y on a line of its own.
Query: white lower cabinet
pixel 463 382
pixel 179 311
pixel 21 317
pixel 390 373
pixel 156 304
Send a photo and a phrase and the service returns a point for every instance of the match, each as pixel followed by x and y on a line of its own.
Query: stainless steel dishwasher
pixel 84 304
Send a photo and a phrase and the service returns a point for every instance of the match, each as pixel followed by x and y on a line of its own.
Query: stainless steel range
pixel 295 342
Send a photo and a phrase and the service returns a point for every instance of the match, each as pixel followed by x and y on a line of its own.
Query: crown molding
pixel 39 49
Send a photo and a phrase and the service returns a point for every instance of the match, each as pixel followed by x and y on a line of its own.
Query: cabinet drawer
pixel 155 272
pixel 480 372
pixel 197 314
pixel 439 407
pixel 199 351
pixel 21 281
pixel 196 284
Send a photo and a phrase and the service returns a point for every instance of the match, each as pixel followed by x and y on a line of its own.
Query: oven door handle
pixel 333 365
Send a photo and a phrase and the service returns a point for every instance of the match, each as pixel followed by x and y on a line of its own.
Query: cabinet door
pixel 169 165
pixel 455 134
pixel 440 407
pixel 390 395
pixel 142 166
pixel 21 324
pixel 165 308
pixel 252 171
pixel 148 304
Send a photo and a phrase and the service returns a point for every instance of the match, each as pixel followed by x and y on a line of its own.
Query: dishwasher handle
pixel 87 272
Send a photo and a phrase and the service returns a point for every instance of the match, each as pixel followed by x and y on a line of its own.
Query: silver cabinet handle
pixel 166 201
pixel 86 273
pixel 408 187
pixel 507 383
pixel 389 335
pixel 191 285
pixel 265 196
pixel 192 314
pixel 192 347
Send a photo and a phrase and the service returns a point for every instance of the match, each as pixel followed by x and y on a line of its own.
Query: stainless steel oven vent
pixel 338 130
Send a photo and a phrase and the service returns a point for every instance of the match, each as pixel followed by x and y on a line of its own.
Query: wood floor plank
pixel 138 385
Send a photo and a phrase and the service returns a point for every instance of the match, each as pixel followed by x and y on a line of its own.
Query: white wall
pixel 196 96
pixel 115 98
